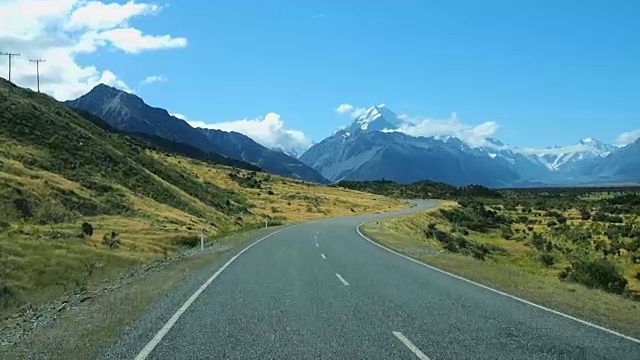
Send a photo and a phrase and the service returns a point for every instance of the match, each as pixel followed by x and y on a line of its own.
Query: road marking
pixel 410 345
pixel 172 321
pixel 344 282
pixel 317 245
pixel 323 257
pixel 584 322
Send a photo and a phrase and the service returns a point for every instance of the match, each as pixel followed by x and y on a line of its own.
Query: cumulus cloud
pixel 474 135
pixel 344 108
pixel 154 79
pixel 268 131
pixel 61 30
pixel 628 137
pixel 353 111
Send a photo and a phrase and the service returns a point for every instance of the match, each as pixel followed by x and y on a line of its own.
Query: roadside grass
pixel 94 326
pixel 518 271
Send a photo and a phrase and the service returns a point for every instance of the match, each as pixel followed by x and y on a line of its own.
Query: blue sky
pixel 545 73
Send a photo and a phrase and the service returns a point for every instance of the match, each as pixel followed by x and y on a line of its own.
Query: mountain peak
pixel 375 118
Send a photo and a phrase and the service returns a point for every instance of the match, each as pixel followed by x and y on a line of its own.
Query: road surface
pixel 320 291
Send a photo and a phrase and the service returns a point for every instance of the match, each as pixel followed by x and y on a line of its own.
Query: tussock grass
pixel 518 271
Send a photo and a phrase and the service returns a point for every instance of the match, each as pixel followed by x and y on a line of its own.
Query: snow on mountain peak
pixel 376 118
pixel 557 156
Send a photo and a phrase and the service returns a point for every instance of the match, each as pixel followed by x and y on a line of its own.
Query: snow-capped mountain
pixel 375 118
pixel 364 151
pixel 374 147
pixel 557 158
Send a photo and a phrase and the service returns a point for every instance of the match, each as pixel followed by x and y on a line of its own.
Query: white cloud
pixel 154 79
pixel 318 16
pixel 344 108
pixel 474 135
pixel 180 116
pixel 60 30
pixel 628 137
pixel 268 131
pixel 96 15
pixel 133 41
pixel 353 111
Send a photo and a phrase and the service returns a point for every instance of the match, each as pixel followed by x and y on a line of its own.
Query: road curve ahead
pixel 319 290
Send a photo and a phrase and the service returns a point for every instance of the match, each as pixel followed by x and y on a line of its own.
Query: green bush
pixel 600 273
pixel 547 259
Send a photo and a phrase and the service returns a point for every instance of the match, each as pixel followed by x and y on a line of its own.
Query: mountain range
pixel 377 146
pixel 129 113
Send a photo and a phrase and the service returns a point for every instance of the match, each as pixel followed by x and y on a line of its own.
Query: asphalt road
pixel 319 290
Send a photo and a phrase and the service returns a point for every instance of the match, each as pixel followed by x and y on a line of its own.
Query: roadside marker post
pixel 202 240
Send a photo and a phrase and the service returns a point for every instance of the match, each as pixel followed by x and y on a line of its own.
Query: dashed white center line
pixel 410 345
pixel 323 257
pixel 344 282
pixel 317 245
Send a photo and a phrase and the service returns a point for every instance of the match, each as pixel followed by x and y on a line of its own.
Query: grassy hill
pixel 80 202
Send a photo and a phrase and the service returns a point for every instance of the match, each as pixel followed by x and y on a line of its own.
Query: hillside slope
pixel 79 202
pixel 128 112
pixel 236 145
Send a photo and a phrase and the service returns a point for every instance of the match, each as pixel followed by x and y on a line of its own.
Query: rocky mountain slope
pixel 130 113
pixel 375 146
pixel 365 151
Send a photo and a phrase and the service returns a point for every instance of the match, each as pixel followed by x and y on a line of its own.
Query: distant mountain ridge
pixel 375 147
pixel 128 112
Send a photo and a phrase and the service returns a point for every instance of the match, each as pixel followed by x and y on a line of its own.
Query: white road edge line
pixel 344 282
pixel 410 345
pixel 323 257
pixel 172 321
pixel 584 322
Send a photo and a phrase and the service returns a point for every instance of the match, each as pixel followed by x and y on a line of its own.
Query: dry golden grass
pixel 518 273
pixel 294 200
pixel 43 261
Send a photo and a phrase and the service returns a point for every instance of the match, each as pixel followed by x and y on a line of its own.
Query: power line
pixel 37 61
pixel 10 55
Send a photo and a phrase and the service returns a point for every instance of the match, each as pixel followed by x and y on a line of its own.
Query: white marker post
pixel 266 223
pixel 202 240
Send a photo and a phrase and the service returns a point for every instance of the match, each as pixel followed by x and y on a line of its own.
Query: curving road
pixel 319 290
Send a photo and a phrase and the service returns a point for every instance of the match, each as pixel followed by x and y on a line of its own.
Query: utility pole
pixel 37 61
pixel 10 55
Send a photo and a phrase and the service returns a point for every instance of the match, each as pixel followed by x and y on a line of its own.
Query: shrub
pixel 111 240
pixel 585 214
pixel 506 232
pixel 547 259
pixel 87 229
pixel 538 241
pixel 599 273
pixel 186 240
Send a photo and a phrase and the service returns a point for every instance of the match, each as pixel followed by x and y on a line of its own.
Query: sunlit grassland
pixel 518 270
pixel 48 256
